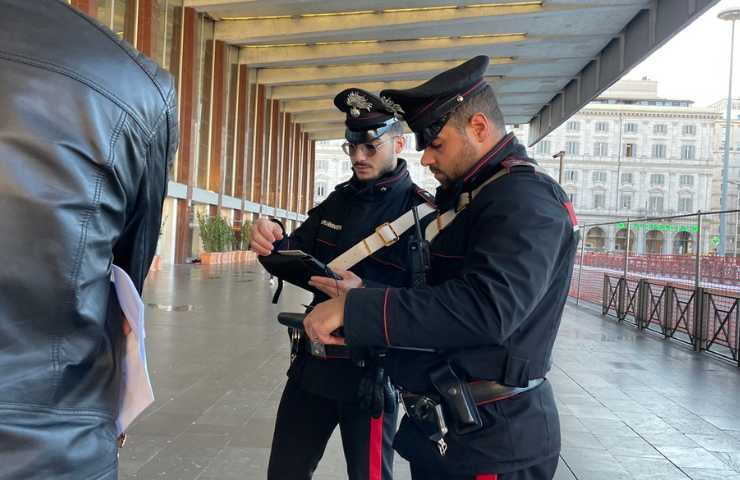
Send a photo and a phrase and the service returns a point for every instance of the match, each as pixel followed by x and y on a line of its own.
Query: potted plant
pixel 244 239
pixel 216 235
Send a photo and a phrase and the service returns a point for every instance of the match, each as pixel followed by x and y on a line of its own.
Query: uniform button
pixel 383 189
pixel 452 391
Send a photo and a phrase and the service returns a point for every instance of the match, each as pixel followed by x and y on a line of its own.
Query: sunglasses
pixel 369 149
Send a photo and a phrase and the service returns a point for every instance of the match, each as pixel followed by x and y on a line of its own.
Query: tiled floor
pixel 632 406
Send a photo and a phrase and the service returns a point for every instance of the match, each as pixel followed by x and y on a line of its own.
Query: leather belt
pixel 485 391
pixel 326 352
pixel 432 419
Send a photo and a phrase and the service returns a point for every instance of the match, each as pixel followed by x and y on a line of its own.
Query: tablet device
pixel 296 267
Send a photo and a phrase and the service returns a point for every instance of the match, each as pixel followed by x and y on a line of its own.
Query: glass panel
pixel 124 19
pixel 105 13
pixel 166 22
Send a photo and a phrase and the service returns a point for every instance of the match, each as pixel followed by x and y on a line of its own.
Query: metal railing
pixel 704 319
pixel 665 277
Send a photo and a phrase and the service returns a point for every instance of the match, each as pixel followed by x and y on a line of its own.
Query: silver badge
pixel 357 102
pixel 392 106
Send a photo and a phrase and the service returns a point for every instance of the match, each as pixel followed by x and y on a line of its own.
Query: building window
pixel 543 146
pixel 627 179
pixel 660 129
pixel 630 127
pixel 657 179
pixel 573 126
pixel 601 149
pixel 659 150
pixel 599 177
pixel 688 152
pixel 599 201
pixel 689 130
pixel 320 189
pixel 626 203
pixel 601 127
pixel 630 150
pixel 686 180
pixel 656 203
pixel 571 148
pixel 323 165
pixel 572 197
pixel 570 176
pixel 685 204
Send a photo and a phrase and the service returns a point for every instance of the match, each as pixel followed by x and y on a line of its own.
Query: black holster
pixel 457 400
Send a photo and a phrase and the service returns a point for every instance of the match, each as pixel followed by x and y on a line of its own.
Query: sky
pixel 695 63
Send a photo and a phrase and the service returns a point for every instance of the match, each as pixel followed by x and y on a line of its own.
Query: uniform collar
pixel 397 180
pixel 487 166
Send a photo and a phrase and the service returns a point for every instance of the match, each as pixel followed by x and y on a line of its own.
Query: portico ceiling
pixel 548 57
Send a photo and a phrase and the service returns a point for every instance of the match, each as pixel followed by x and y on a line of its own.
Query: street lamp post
pixel 731 15
pixel 560 154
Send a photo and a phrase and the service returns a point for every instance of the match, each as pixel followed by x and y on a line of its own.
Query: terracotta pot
pixel 208 258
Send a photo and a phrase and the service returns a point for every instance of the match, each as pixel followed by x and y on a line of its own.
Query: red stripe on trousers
pixel 486 477
pixel 376 448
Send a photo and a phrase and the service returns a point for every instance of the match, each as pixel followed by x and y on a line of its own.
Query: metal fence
pixel 666 276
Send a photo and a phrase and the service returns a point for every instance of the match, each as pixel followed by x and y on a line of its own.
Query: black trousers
pixel 541 471
pixel 304 425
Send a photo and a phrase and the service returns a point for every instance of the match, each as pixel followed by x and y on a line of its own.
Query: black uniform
pixel 322 393
pixel 497 288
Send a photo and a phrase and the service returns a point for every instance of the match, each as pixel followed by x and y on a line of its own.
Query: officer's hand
pixel 264 234
pixel 334 288
pixel 325 318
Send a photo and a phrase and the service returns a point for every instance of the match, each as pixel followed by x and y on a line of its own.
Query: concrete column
pixel 187 104
pixel 611 240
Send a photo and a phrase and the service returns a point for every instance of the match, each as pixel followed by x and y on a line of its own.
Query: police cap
pixel 427 107
pixel 368 117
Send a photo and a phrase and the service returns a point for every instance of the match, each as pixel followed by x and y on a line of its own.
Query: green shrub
pixel 215 233
pixel 243 236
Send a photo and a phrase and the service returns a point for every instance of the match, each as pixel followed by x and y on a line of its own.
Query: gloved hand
pixel 370 392
pixel 376 394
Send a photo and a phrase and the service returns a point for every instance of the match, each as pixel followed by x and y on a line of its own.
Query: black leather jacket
pixel 87 131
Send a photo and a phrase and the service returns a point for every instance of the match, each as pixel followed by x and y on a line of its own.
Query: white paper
pixel 136 389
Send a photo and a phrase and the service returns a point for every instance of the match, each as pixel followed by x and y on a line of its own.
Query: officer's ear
pixel 399 143
pixel 480 127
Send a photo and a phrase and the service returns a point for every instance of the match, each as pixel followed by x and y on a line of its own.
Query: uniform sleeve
pixel 137 244
pixel 516 241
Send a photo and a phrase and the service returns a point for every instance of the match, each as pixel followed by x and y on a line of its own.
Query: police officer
pixel 322 393
pixel 479 406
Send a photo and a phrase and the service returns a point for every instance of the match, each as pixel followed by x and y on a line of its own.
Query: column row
pixel 240 155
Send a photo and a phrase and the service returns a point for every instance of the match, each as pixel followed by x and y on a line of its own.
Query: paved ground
pixel 632 406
